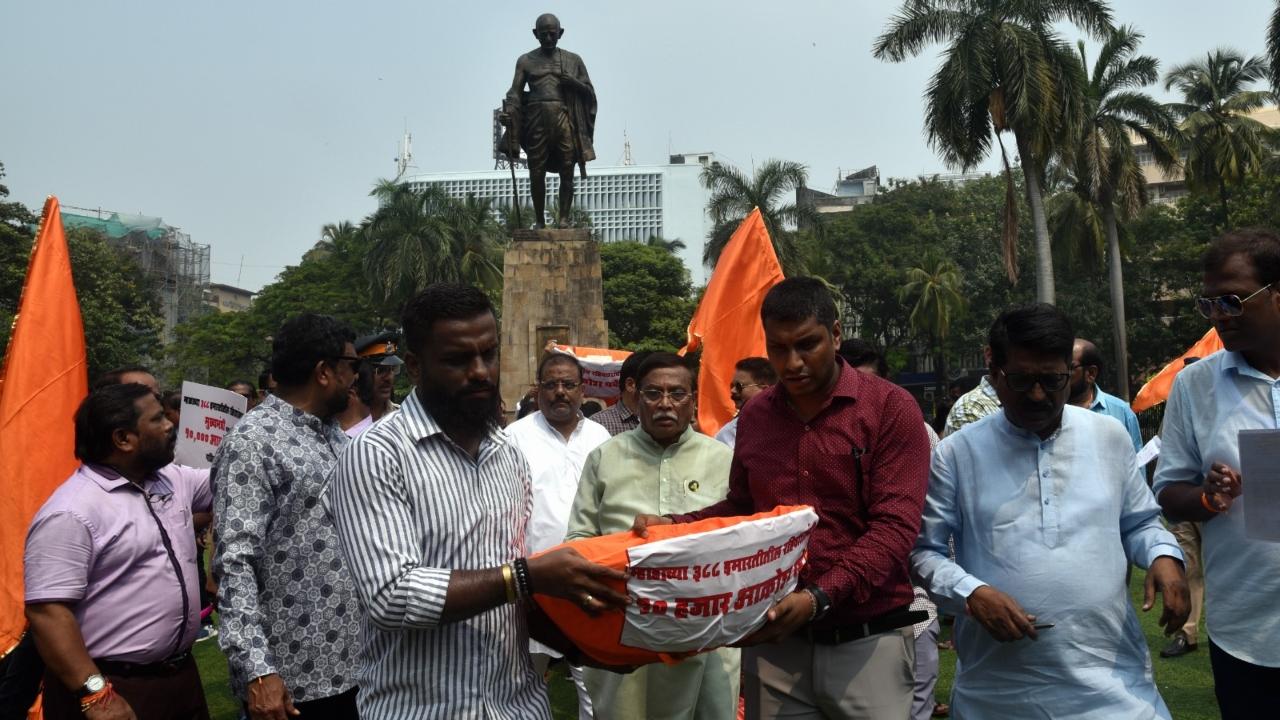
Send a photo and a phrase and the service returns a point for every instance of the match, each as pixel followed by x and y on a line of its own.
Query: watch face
pixel 94 684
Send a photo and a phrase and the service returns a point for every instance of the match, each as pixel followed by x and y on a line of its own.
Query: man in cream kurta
pixel 662 467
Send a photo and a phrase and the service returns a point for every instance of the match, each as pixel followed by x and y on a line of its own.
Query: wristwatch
pixel 821 599
pixel 92 684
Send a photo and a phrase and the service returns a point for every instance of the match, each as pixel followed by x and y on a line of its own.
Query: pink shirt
pixel 96 547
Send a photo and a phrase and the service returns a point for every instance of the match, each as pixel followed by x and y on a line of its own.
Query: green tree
pixel 734 196
pixel 648 297
pixel 1108 180
pixel 1223 146
pixel 417 238
pixel 935 291
pixel 1005 69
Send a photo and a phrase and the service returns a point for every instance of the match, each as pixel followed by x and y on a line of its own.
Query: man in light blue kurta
pixel 1046 521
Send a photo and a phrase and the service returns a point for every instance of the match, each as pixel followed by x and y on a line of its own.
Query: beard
pixel 1079 390
pixel 338 403
pixel 463 410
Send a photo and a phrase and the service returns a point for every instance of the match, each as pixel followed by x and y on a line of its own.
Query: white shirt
pixel 1211 402
pixel 729 433
pixel 556 465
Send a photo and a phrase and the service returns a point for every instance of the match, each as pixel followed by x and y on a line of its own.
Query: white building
pixel 630 202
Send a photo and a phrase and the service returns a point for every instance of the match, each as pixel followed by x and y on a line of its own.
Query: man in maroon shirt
pixel 854 447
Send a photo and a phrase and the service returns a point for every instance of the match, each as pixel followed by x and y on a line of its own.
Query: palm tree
pixel 934 288
pixel 1273 48
pixel 1106 178
pixel 734 196
pixel 671 246
pixel 1005 69
pixel 417 238
pixel 1223 145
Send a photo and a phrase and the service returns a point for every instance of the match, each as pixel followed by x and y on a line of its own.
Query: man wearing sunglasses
pixel 556 440
pixel 277 558
pixel 1047 508
pixel 379 352
pixel 1198 477
pixel 751 376
pixel 662 467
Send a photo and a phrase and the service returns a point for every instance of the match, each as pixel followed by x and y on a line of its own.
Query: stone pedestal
pixel 551 290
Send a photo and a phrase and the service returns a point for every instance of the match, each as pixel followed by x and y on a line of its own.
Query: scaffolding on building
pixel 177 267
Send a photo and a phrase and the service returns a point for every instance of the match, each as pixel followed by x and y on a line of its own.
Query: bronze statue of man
pixel 554 121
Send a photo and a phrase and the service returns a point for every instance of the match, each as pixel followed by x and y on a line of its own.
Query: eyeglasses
pixel 1023 382
pixel 354 362
pixel 1229 305
pixel 654 395
pixel 553 385
pixel 739 387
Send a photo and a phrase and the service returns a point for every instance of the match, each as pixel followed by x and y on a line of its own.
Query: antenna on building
pixel 404 158
pixel 627 160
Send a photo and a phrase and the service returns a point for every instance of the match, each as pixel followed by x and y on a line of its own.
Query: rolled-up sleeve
pixel 58 554
pixel 367 501
pixel 242 509
pixel 949 584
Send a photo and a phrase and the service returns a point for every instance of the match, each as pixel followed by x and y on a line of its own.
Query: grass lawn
pixel 1186 682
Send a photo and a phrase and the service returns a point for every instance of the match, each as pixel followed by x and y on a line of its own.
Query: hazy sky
pixel 250 125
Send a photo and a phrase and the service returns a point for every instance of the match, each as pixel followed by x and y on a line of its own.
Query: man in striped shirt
pixel 431 507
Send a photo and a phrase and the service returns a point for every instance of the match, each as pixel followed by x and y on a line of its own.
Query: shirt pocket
pixel 837 482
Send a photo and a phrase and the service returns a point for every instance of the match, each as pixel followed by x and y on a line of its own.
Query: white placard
pixel 707 590
pixel 208 413
pixel 1260 477
pixel 1149 452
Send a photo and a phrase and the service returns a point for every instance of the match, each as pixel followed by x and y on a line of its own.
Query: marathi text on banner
pixel 703 591
pixel 207 415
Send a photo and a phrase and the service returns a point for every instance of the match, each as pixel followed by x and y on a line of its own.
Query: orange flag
pixel 1157 388
pixel 727 324
pixel 45 377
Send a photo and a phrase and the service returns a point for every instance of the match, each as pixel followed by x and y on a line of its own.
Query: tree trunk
pixel 1035 198
pixel 1118 332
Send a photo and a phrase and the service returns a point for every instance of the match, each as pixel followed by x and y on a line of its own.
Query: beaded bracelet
pixel 524 583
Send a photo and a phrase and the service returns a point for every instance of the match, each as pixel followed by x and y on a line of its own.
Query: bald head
pixel 546 20
pixel 548 31
pixel 1086 366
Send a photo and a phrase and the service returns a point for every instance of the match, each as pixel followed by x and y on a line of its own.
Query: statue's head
pixel 548 31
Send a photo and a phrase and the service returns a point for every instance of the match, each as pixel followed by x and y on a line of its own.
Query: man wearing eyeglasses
pixel 556 440
pixel 288 608
pixel 379 352
pixel 1198 477
pixel 751 376
pixel 1047 507
pixel 662 467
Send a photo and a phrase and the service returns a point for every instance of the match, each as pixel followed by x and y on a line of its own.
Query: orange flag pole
pixel 1157 388
pixel 45 376
pixel 727 323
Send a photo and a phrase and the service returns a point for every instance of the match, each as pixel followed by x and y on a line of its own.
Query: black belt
pixel 168 666
pixel 891 620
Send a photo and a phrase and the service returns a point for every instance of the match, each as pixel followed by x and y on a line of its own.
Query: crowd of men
pixel 377 560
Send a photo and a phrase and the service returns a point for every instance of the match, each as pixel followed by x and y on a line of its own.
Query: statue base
pixel 552 290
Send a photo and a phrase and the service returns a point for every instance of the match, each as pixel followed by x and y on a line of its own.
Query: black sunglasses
pixel 1023 382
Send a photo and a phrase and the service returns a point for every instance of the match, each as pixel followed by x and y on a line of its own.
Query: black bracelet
pixel 524 582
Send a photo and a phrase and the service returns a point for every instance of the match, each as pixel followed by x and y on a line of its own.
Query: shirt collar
pixel 648 440
pixel 299 418
pixel 108 479
pixel 546 426
pixel 1100 399
pixel 420 425
pixel 987 388
pixel 1234 362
